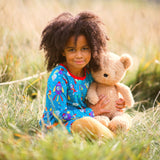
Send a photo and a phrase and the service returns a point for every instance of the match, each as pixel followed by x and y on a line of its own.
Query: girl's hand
pixel 98 108
pixel 120 105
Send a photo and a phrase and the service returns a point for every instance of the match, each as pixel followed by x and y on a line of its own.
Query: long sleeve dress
pixel 66 98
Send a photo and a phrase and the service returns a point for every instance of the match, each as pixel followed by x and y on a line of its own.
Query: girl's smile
pixel 77 56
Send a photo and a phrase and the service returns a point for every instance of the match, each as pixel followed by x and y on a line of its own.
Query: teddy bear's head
pixel 113 68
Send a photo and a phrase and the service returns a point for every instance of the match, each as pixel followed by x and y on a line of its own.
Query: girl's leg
pixel 91 128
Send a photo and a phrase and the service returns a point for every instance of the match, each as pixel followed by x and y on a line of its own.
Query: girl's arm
pixel 99 107
pixel 56 102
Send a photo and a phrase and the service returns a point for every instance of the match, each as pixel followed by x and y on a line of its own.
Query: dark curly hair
pixel 58 31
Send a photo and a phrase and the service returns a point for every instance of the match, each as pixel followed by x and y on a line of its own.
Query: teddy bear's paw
pixel 119 124
pixel 130 102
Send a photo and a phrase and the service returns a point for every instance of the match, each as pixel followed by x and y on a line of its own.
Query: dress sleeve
pixel 56 101
pixel 89 112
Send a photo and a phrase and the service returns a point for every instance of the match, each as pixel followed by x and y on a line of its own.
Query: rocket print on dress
pixel 58 89
pixel 65 100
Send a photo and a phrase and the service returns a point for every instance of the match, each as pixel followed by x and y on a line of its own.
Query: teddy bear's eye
pixel 105 75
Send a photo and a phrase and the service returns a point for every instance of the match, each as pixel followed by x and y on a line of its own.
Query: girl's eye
pixel 85 48
pixel 71 50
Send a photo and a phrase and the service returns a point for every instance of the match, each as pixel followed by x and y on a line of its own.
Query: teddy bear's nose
pixel 105 75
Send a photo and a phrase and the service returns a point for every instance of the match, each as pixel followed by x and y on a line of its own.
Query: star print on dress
pixel 61 71
pixel 65 98
pixel 72 88
pixel 65 80
pixel 50 92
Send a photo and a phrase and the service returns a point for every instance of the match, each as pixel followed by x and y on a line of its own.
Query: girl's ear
pixel 63 54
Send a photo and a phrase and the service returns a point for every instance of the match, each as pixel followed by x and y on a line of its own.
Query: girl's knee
pixel 88 126
pixel 82 123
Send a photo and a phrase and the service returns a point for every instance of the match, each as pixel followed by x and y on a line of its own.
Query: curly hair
pixel 59 30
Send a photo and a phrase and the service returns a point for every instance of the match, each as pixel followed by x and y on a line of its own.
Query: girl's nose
pixel 79 54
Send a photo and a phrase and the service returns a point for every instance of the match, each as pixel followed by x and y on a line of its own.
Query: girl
pixel 72 46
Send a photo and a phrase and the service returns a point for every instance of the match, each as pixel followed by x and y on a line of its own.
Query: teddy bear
pixel 107 82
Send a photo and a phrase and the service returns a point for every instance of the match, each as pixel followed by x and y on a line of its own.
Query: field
pixel 132 26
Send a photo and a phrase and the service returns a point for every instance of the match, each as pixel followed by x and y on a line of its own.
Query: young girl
pixel 72 45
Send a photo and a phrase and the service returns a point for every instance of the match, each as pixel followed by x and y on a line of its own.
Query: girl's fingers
pixel 98 108
pixel 101 96
pixel 120 106
pixel 120 101
pixel 103 101
pixel 105 111
pixel 106 101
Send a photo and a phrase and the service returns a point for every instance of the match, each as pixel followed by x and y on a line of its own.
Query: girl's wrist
pixel 94 109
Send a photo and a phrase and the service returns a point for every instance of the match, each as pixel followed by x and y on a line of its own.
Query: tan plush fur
pixel 107 82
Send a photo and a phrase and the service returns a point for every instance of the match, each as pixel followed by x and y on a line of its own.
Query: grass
pixel 21 137
pixel 132 26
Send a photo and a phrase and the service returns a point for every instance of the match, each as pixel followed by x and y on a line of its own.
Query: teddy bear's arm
pixel 92 94
pixel 126 93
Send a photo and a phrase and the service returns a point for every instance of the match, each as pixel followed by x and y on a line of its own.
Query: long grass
pixel 21 137
pixel 132 26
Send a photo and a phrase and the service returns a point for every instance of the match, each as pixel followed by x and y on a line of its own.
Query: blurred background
pixel 133 27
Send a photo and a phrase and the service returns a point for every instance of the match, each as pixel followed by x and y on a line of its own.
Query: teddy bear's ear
pixel 126 60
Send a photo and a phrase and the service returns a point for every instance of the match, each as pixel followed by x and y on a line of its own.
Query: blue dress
pixel 66 98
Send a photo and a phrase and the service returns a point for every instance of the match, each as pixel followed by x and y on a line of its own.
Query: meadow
pixel 132 26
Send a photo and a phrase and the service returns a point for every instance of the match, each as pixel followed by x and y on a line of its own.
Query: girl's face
pixel 77 57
